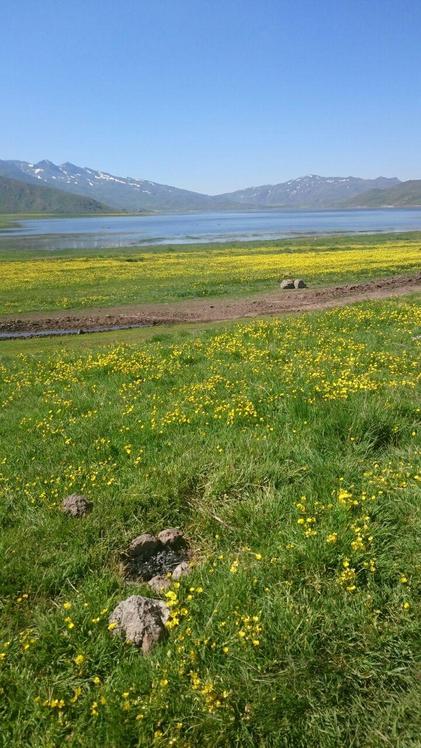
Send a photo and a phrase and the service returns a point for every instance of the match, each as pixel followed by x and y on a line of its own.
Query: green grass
pixel 297 633
pixel 46 281
pixel 9 220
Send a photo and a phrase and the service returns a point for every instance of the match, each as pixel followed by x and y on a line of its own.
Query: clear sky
pixel 214 95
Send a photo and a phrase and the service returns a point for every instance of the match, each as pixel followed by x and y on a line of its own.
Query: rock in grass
pixel 144 546
pixel 180 571
pixel 160 583
pixel 76 505
pixel 287 283
pixel 172 537
pixel 299 283
pixel 140 621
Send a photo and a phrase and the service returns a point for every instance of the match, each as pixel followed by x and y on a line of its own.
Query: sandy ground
pixel 200 310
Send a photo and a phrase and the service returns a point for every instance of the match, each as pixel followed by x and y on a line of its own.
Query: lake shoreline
pixel 118 231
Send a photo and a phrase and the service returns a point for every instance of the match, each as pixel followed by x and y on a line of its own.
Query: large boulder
pixel 299 283
pixel 140 621
pixel 76 505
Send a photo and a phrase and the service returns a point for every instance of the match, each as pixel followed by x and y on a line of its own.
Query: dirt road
pixel 207 310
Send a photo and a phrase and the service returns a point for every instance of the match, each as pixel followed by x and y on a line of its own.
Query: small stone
pixel 172 537
pixel 159 583
pixel 180 571
pixel 299 283
pixel 140 621
pixel 287 283
pixel 76 505
pixel 144 546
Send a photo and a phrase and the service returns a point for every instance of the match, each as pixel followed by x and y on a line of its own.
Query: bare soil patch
pixel 208 310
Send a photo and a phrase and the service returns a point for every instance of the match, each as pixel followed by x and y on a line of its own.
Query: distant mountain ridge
pixel 311 192
pixel 17 196
pixel 404 195
pixel 121 193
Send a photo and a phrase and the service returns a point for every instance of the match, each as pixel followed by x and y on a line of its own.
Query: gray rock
pixel 299 283
pixel 180 571
pixel 287 283
pixel 140 621
pixel 76 505
pixel 144 546
pixel 172 537
pixel 159 583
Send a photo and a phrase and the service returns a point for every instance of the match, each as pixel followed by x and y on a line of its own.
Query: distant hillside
pixel 18 197
pixel 122 193
pixel 311 192
pixel 404 195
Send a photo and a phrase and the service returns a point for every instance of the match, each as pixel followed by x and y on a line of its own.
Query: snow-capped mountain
pixel 123 193
pixel 310 191
pixel 128 193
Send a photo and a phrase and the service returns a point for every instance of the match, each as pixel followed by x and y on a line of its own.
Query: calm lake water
pixel 123 231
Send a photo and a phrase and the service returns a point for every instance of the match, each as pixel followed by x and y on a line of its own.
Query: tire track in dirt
pixel 205 310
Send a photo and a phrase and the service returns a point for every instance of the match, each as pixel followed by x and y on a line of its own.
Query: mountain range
pixel 120 193
pixel 311 192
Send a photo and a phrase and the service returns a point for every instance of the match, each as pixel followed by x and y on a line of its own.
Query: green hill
pixel 19 197
pixel 406 194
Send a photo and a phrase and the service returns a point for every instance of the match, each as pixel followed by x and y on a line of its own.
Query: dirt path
pixel 209 310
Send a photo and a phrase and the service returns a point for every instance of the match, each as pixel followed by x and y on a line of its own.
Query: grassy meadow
pixel 40 280
pixel 288 451
pixel 8 221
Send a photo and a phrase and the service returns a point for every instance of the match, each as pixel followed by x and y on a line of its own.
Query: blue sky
pixel 214 95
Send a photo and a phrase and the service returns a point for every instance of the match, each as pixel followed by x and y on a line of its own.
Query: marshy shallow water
pixel 96 232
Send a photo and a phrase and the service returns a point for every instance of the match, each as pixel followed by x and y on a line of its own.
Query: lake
pixel 123 231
